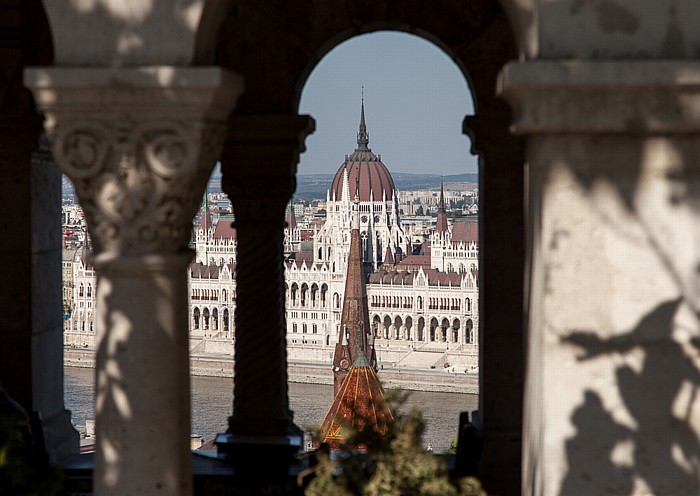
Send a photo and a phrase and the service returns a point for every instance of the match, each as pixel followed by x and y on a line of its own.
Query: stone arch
pixel 398 323
pixel 455 330
pixel 314 294
pixel 377 324
pixel 387 326
pixel 215 319
pixel 420 329
pixel 303 292
pixel 444 327
pixel 225 320
pixel 408 322
pixel 324 292
pixel 205 319
pixel 478 37
pixel 293 294
pixel 433 329
pixel 468 328
pixel 196 316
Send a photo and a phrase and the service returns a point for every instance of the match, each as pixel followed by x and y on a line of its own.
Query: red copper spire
pixel 355 337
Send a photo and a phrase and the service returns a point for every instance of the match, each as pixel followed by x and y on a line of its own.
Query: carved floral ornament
pixel 139 183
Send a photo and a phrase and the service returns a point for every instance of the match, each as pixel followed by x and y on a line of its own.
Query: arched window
pixel 294 327
pixel 314 328
pixel 324 290
pixel 304 291
pixel 303 328
pixel 295 288
pixel 81 290
pixel 89 290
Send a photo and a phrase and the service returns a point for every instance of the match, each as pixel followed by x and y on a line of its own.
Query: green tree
pixel 393 463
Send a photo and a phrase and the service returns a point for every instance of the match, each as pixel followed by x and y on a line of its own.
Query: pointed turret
pixel 389 257
pixel 441 226
pixel 362 133
pixel 291 218
pixel 354 322
pixel 206 223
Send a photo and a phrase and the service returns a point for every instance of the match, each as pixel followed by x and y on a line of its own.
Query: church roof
pixel 359 401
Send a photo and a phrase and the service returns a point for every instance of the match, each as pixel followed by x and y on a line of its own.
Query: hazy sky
pixel 415 101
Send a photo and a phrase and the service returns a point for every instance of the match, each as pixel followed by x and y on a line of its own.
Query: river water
pixel 212 399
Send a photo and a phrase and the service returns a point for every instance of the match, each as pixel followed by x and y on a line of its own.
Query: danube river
pixel 212 398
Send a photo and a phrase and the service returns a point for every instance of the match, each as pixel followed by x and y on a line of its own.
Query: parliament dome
pixel 374 178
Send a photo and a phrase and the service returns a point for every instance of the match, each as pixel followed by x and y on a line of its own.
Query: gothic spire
pixel 441 224
pixel 362 134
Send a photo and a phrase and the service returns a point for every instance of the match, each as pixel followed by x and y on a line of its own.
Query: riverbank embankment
pixel 312 373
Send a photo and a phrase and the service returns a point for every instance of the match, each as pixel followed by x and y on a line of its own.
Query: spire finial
pixel 362 134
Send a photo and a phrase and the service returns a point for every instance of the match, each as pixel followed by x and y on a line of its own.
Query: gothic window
pixel 303 328
pixel 304 290
pixel 81 291
pixel 294 327
pixel 89 290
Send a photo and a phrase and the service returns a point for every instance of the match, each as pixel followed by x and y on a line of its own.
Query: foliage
pixel 453 446
pixel 18 474
pixel 392 464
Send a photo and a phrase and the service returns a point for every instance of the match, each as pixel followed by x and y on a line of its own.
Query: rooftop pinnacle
pixel 362 134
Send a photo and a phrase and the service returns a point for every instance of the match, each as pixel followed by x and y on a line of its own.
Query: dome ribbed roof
pixel 374 178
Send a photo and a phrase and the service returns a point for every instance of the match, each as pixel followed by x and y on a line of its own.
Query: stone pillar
pixel 139 145
pixel 259 166
pixel 31 326
pixel 611 400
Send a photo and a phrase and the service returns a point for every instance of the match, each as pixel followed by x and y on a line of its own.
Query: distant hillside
pixel 313 186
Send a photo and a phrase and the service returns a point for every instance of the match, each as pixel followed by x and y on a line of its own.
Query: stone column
pixel 139 145
pixel 259 166
pixel 31 326
pixel 611 401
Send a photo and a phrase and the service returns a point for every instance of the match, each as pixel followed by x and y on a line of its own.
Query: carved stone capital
pixel 259 164
pixel 619 97
pixel 139 145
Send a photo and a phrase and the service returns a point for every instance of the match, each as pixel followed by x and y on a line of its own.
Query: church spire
pixel 441 225
pixel 362 134
pixel 355 338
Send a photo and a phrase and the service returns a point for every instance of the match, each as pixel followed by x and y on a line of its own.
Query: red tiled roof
pixel 436 277
pixel 415 261
pixel 200 271
pixel 465 232
pixel 300 257
pixel 224 230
